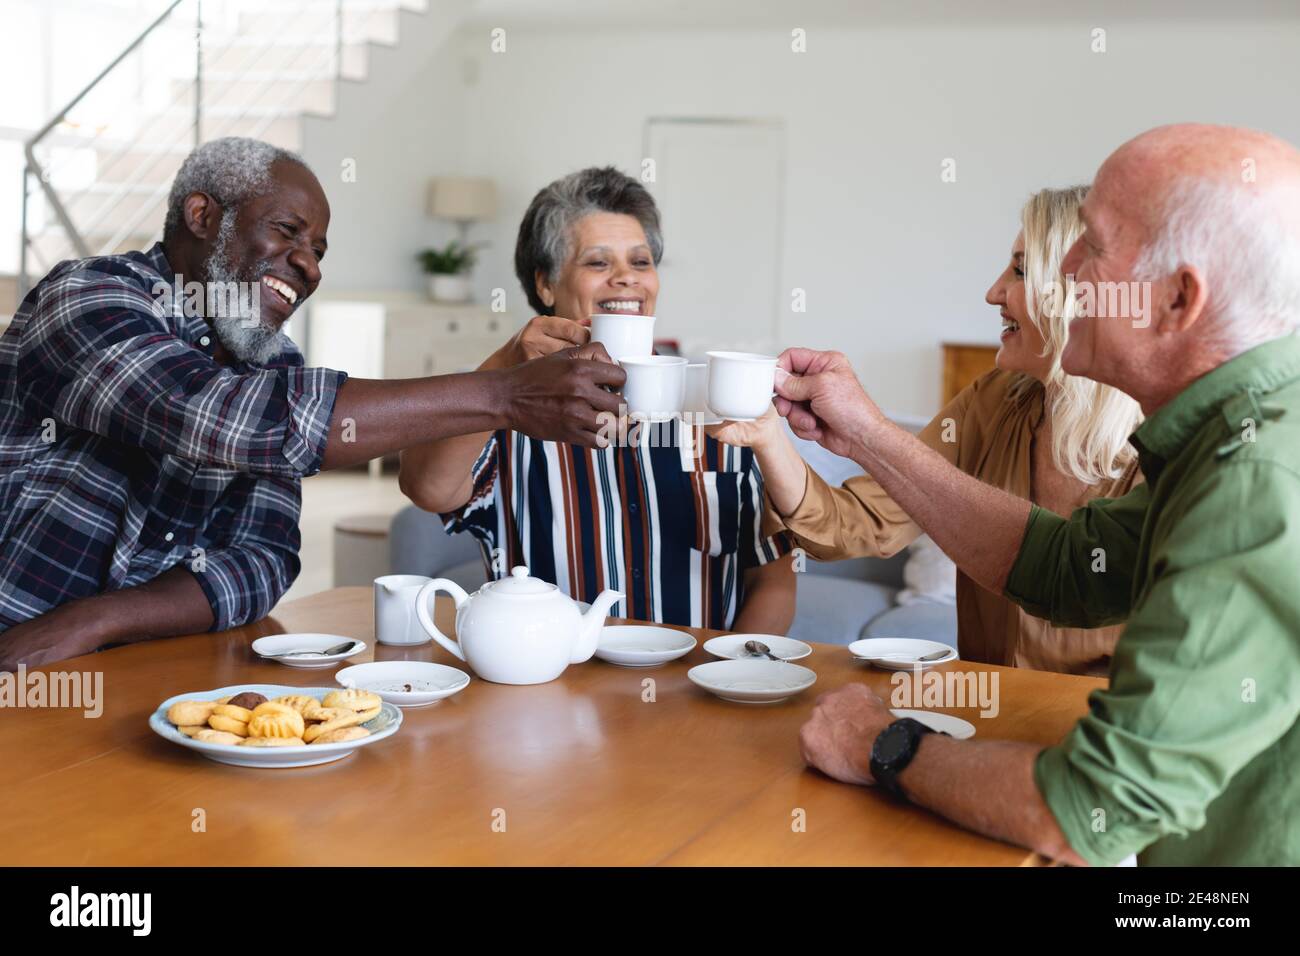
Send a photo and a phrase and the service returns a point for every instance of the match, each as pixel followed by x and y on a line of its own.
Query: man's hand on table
pixel 67 631
pixel 838 737
pixel 172 603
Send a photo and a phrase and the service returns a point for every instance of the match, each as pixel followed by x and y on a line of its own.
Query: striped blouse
pixel 673 530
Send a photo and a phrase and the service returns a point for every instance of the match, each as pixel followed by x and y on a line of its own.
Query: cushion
pixel 929 574
pixel 921 620
pixel 831 610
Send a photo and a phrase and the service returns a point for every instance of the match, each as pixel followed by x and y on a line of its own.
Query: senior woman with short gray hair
pixel 674 521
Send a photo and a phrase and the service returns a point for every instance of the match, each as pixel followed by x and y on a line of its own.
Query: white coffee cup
pixel 741 384
pixel 624 336
pixel 655 386
pixel 696 402
pixel 395 618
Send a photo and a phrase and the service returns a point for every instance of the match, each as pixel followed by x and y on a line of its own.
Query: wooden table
pixel 581 770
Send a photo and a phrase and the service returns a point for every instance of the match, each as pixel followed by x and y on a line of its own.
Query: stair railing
pixel 37 173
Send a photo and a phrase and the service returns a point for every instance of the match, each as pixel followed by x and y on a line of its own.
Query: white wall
pixel 893 260
pixel 395 129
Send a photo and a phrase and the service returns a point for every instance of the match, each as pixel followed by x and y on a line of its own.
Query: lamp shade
pixel 462 198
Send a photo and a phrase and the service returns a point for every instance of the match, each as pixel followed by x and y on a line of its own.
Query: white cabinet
pixel 401 338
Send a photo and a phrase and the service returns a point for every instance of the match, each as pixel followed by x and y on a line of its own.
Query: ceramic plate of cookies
pixel 272 725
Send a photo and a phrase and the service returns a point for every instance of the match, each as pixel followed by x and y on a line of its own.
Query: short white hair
pixel 230 170
pixel 1241 240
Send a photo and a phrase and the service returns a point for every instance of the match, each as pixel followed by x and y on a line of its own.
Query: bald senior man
pixel 1190 755
pixel 153 440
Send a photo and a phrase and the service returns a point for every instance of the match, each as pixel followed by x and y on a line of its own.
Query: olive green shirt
pixel 1191 755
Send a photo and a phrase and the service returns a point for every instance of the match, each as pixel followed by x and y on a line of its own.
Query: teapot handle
pixel 424 599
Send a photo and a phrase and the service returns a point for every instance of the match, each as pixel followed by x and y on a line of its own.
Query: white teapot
pixel 518 630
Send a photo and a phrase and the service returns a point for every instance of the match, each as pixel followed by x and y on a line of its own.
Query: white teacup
pixel 741 384
pixel 655 386
pixel 395 618
pixel 696 402
pixel 624 336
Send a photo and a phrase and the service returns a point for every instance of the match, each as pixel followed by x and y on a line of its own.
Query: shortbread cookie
pixel 322 714
pixel 353 699
pixel 218 737
pixel 299 702
pixel 192 730
pixel 272 707
pixel 228 724
pixel 289 724
pixel 340 735
pixel 272 742
pixel 234 712
pixel 338 723
pixel 189 713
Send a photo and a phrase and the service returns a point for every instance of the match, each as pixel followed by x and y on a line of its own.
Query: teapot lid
pixel 520 582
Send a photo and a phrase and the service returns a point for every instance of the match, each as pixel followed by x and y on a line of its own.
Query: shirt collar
pixel 193 328
pixel 157 260
pixel 1252 373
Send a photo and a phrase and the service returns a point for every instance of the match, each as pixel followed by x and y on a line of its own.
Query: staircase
pixel 99 173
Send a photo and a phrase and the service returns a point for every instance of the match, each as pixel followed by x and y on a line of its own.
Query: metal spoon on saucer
pixel 329 652
pixel 903 659
pixel 759 649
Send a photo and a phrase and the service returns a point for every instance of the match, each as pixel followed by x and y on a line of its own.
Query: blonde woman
pixel 1026 427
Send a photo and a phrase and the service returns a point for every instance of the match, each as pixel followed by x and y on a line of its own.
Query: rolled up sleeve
pixel 253 556
pixel 97 357
pixel 857 519
pixel 1205 677
pixel 1078 571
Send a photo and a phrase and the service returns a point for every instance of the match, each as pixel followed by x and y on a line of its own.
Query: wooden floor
pixel 326 498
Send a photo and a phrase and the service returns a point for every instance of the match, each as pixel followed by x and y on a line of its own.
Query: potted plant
pixel 448 269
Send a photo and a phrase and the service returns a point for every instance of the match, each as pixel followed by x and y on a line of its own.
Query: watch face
pixel 892 744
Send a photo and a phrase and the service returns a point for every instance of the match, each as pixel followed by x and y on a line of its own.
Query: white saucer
pixel 384 724
pixel 900 653
pixel 752 681
pixel 428 682
pixel 302 642
pixel 944 723
pixel 642 645
pixel 732 647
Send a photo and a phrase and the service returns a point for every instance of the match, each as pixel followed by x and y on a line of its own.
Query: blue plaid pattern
pixel 127 450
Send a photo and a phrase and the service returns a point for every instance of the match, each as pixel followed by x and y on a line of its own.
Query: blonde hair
pixel 1091 422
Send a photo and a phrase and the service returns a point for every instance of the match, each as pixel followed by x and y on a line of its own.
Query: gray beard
pixel 245 335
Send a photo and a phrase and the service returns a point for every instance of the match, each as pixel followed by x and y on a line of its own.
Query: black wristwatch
pixel 894 749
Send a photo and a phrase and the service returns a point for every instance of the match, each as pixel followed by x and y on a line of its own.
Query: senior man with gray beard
pixel 152 442
pixel 1189 756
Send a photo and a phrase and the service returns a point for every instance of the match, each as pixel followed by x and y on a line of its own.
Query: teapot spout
pixel 592 622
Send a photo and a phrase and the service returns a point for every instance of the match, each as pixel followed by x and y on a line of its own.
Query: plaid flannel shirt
pixel 127 450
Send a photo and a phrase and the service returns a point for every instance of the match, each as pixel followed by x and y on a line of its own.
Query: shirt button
pixel 631 506
pixel 205 341
pixel 168 536
pixel 636 573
